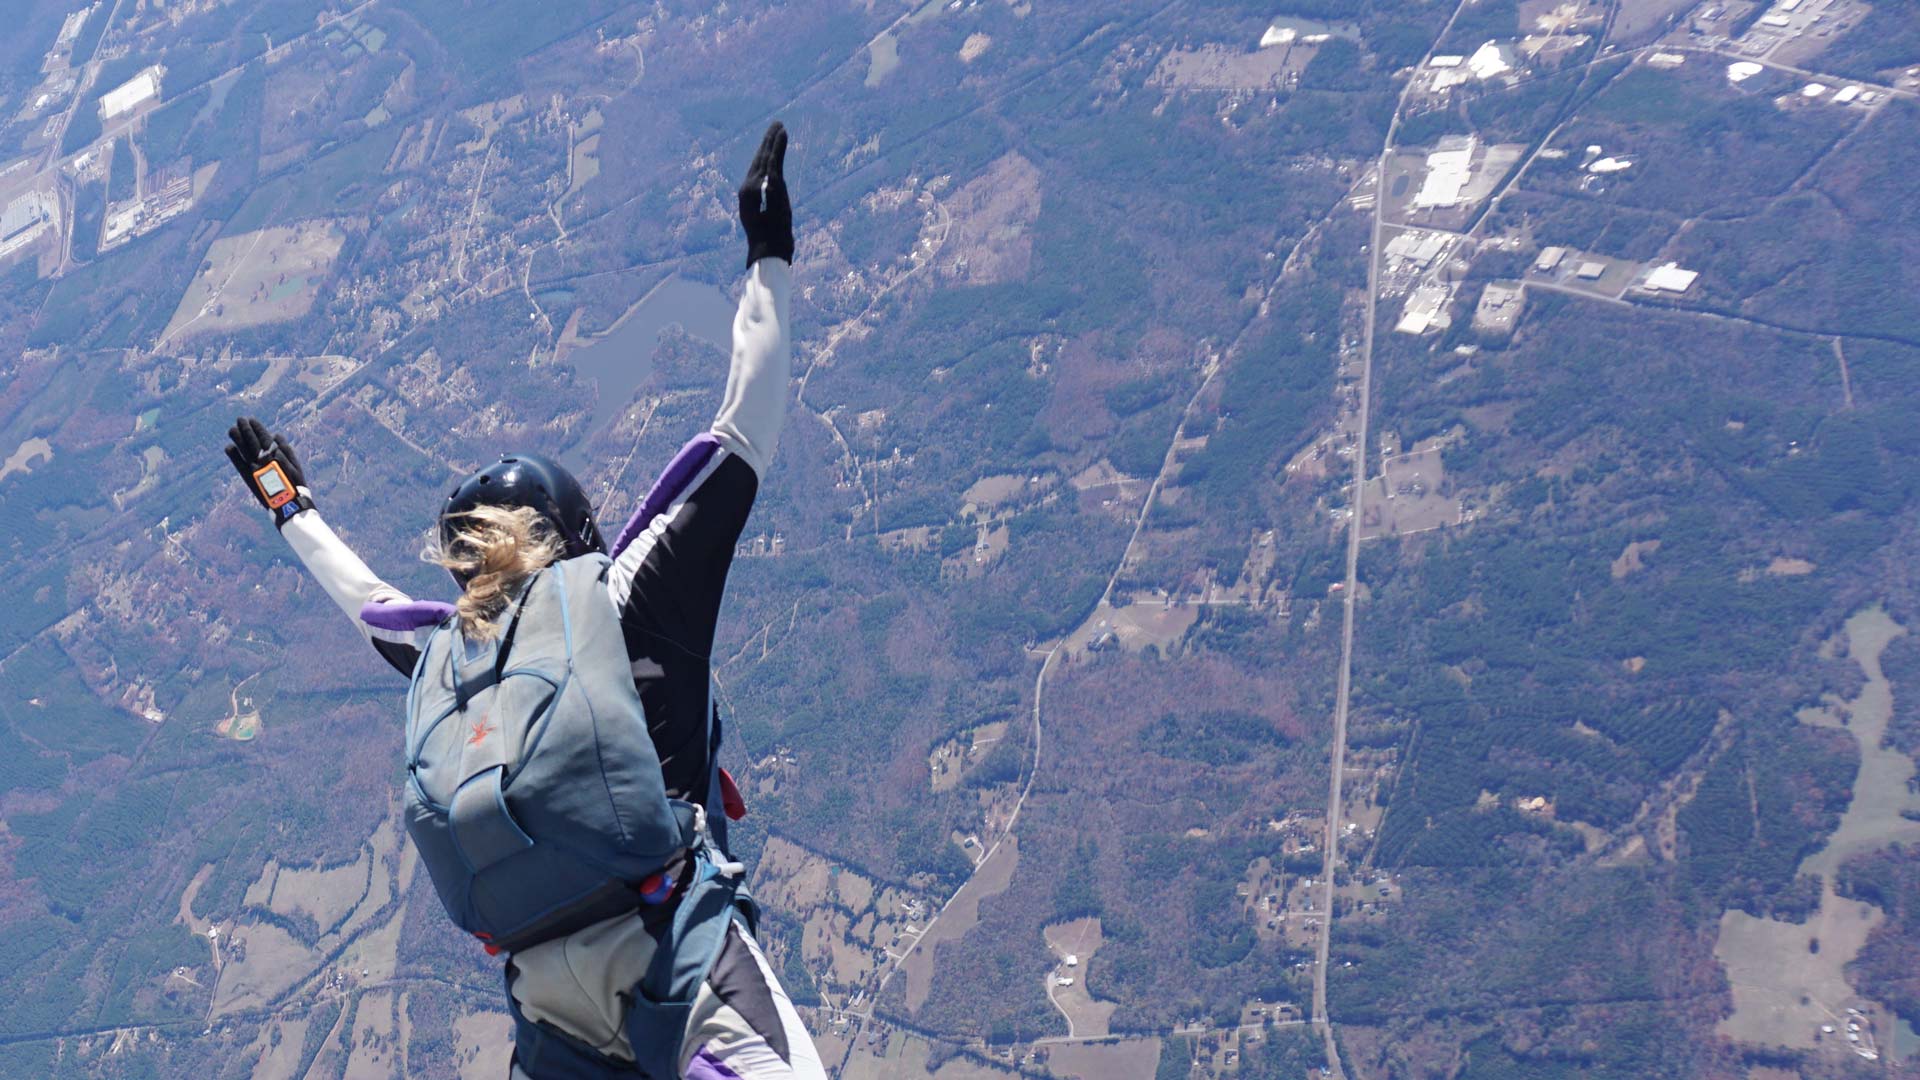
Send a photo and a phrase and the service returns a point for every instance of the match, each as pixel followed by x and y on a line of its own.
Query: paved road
pixel 1343 695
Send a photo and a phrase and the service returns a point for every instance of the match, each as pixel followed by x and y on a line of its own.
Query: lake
pixel 621 358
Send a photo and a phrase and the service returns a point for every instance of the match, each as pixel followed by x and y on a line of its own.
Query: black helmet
pixel 533 481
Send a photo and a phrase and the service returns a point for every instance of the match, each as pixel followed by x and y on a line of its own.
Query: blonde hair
pixel 497 548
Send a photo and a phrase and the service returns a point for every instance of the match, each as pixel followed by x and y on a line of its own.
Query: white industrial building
pixel 1449 167
pixel 1418 246
pixel 1488 61
pixel 131 94
pixel 1671 278
pixel 1426 310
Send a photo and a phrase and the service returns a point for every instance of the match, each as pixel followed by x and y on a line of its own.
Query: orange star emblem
pixel 480 731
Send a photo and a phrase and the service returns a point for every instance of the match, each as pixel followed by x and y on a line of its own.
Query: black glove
pixel 271 469
pixel 764 210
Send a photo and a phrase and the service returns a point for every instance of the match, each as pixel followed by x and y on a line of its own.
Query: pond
pixel 621 358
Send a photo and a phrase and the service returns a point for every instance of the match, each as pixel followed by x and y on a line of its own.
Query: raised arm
pixel 754 407
pixel 393 623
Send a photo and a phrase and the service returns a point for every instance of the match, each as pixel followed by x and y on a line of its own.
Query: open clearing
pixel 1410 495
pixel 1128 1059
pixel 961 915
pixel 30 453
pixel 991 237
pixel 584 164
pixel 257 278
pixel 326 895
pixel 852 926
pixel 1228 67
pixel 1079 940
pixel 485 1040
pixel 373 1042
pixel 242 721
pixel 951 759
pixel 1783 990
pixel 904 1057
pixel 280 1060
pixel 1149 620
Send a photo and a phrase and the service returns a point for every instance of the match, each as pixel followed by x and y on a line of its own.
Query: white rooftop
pixel 1846 94
pixel 1426 310
pixel 126 96
pixel 1671 278
pixel 1489 60
pixel 1741 70
pixel 1447 175
pixel 1610 165
pixel 1813 89
pixel 1446 61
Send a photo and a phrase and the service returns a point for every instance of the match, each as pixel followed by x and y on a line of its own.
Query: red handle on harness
pixel 730 800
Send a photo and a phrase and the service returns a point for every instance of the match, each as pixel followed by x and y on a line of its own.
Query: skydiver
pixel 573 998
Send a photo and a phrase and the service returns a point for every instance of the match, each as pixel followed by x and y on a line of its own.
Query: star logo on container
pixel 480 732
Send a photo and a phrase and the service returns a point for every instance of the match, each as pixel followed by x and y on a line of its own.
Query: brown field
pixel 991 236
pixel 1226 67
pixel 486 1038
pixel 961 915
pixel 851 923
pixel 949 761
pixel 990 491
pixel 1127 1059
pixel 1080 939
pixel 374 1055
pixel 903 1056
pixel 324 894
pixel 257 278
pixel 29 453
pixel 1640 19
pixel 585 163
pixel 279 1060
pixel 322 373
pixel 1783 990
pixel 1151 621
pixel 1410 495
pixel 1630 558
pixel 277 368
pixel 262 961
pixel 489 117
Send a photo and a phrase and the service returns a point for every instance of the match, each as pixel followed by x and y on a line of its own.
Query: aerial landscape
pixel 1313 538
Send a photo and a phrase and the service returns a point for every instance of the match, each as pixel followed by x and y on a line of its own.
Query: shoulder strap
pixel 465 689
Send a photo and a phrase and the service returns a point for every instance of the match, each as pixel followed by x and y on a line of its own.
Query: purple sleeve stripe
pixel 672 484
pixel 407 615
pixel 705 1066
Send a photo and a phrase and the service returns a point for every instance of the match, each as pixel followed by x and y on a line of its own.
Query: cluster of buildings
pixel 1489 61
pixel 24 219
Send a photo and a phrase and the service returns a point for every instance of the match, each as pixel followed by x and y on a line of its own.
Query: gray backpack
pixel 534 793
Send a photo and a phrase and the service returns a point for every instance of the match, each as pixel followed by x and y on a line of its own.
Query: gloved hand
pixel 765 212
pixel 271 469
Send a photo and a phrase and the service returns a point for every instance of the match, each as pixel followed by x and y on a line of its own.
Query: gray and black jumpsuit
pixel 669 573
